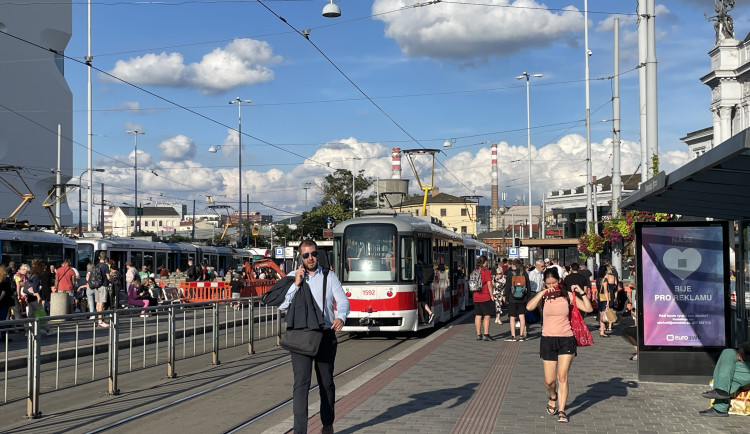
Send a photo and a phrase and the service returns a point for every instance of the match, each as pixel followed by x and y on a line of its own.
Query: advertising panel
pixel 683 281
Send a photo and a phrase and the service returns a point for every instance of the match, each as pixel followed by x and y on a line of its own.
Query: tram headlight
pixel 348 294
pixel 389 293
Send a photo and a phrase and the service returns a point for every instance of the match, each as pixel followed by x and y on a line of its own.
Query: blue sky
pixel 437 72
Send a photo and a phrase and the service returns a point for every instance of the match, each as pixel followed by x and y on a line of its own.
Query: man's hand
pixel 741 355
pixel 337 324
pixel 299 276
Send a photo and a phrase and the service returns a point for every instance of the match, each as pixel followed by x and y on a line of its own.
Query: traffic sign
pixel 513 252
pixel 279 251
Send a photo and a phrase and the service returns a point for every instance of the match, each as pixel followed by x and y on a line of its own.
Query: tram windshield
pixel 369 253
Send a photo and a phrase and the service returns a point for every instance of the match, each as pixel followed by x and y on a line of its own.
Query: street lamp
pixel 135 134
pixel 213 149
pixel 527 76
pixel 80 185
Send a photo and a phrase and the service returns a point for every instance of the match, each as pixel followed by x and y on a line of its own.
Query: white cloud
pixel 462 32
pixel 558 165
pixel 178 148
pixel 130 126
pixel 242 62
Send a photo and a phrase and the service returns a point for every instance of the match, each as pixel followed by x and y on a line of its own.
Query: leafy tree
pixel 337 190
pixel 317 219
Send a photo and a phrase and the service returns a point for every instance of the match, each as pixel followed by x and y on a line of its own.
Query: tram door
pixel 119 259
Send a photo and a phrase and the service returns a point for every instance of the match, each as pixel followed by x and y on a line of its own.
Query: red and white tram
pixel 375 257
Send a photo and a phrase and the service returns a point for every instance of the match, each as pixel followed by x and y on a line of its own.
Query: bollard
pixel 59 303
pixel 215 352
pixel 171 344
pixel 114 347
pixel 251 327
pixel 32 400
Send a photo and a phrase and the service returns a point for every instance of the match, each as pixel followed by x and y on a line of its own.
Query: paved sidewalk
pixel 455 384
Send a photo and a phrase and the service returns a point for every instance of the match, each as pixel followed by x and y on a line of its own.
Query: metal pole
pixel 192 235
pixel 58 177
pixel 32 400
pixel 239 121
pixel 251 328
pixel 616 176
pixel 90 134
pixel 114 347
pixel 80 222
pixel 137 225
pixel 215 326
pixel 101 221
pixel 651 103
pixel 171 344
pixel 589 208
pixel 528 146
pixel 642 113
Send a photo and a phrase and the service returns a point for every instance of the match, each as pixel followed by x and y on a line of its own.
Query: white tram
pixel 21 246
pixel 375 257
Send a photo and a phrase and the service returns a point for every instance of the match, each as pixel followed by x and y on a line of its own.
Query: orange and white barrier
pixel 208 291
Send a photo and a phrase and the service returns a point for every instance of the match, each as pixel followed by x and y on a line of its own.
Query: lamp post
pixel 239 102
pixel 527 76
pixel 135 134
pixel 80 180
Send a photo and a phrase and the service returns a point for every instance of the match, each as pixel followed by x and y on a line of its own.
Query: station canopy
pixel 715 184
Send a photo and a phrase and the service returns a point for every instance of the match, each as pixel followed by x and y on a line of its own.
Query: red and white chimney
pixel 396 163
pixel 495 208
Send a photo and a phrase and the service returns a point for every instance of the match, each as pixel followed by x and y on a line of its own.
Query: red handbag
pixel 580 329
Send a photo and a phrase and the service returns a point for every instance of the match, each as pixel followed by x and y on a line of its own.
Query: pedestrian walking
pixel 310 277
pixel 484 305
pixel 516 296
pixel 557 346
pixel 498 286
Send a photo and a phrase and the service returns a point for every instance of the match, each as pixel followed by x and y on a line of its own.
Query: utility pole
pixel 589 208
pixel 616 176
pixel 302 224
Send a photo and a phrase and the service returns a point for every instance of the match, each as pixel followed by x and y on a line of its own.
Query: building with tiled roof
pixel 455 212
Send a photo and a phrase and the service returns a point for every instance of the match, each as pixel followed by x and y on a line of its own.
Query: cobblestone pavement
pixel 441 391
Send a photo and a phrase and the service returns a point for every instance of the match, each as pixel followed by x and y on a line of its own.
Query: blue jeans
pixel 90 294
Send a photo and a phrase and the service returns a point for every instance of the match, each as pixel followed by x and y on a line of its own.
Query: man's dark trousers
pixel 302 367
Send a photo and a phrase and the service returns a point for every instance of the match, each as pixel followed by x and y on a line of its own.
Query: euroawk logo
pixel 673 338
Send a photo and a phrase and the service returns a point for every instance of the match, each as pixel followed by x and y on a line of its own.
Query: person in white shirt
pixel 536 276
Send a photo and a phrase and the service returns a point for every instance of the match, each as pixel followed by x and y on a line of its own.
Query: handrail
pixel 237 321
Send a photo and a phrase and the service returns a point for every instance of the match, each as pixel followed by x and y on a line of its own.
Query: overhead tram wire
pixel 155 95
pixel 532 8
pixel 398 125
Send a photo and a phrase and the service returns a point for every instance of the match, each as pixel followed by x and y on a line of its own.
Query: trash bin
pixel 60 303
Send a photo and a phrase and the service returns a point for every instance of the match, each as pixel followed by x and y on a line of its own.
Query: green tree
pixel 337 190
pixel 317 219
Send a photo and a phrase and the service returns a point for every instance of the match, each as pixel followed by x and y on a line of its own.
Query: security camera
pixel 589 52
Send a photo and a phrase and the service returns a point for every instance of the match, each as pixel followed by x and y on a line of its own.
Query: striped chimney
pixel 495 202
pixel 396 163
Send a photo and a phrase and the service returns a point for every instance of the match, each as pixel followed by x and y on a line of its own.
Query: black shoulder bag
pixel 305 341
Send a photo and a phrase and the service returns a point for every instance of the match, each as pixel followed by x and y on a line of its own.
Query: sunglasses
pixel 307 254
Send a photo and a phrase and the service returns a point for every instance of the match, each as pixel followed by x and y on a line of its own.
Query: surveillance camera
pixel 589 52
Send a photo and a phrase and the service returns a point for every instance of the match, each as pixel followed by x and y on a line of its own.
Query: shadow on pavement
pixel 598 392
pixel 418 402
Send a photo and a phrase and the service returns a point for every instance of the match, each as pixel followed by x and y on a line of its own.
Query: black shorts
pixel 484 308
pixel 552 346
pixel 423 295
pixel 516 309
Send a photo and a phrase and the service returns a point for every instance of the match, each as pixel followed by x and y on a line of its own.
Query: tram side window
pixel 12 251
pixel 136 258
pixel 85 256
pixel 407 259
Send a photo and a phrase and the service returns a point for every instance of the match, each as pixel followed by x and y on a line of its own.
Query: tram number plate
pixel 368 293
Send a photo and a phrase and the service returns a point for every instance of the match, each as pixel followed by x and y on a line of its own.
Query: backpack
pixel 475 280
pixel 518 287
pixel 95 278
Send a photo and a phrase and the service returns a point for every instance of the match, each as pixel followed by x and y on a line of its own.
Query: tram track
pixel 282 404
pixel 214 388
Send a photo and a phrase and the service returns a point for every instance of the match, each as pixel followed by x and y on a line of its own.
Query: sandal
pixel 562 417
pixel 551 409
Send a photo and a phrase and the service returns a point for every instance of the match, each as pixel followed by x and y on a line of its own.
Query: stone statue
pixel 724 25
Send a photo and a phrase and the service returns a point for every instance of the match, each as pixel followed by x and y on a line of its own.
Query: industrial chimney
pixel 396 163
pixel 494 209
